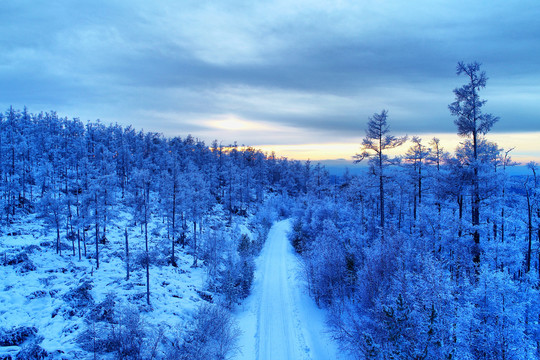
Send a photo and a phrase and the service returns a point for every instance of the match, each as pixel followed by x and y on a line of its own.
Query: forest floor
pixel 279 320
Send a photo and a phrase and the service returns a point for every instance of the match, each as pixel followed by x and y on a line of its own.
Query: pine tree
pixel 416 156
pixel 198 202
pixel 471 122
pixel 374 146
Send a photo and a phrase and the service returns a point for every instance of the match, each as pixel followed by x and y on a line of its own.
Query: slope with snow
pixel 279 320
pixel 39 297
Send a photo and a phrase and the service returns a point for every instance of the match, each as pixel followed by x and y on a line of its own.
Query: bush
pixel 93 339
pixel 17 259
pixel 16 336
pixel 141 259
pixel 104 311
pixel 80 296
pixel 27 266
pixel 245 246
pixel 37 294
pixel 236 279
pixel 296 236
pixel 32 351
pixel 30 249
pixel 212 334
pixel 122 334
pixel 126 337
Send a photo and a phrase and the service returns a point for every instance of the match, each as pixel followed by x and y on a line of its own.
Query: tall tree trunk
pixel 147 253
pixel 538 235
pixel 184 228
pixel 173 259
pixel 381 201
pixel 420 183
pixel 476 219
pixel 194 244
pixel 415 204
pixel 97 233
pixel 127 254
pixel 58 247
pixel 84 242
pixel 79 242
pixel 530 230
pixel 460 206
pixel 476 189
pixel 77 187
pixel 72 235
pixel 105 215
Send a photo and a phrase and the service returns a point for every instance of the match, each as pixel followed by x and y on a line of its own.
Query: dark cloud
pixel 312 65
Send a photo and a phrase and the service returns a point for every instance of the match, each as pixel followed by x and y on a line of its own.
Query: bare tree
pixel 417 156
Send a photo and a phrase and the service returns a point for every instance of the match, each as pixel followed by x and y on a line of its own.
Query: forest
pixel 434 254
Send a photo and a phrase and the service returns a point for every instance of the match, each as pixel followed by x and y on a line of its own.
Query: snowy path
pixel 279 320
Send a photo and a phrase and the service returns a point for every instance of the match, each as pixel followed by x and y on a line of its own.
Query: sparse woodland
pixel 431 255
pixel 148 203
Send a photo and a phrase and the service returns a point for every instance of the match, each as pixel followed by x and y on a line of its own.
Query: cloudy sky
pixel 298 76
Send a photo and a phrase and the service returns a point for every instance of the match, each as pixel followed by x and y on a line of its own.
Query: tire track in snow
pixel 279 320
pixel 278 330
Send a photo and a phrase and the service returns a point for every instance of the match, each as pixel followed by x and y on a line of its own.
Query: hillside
pixel 428 255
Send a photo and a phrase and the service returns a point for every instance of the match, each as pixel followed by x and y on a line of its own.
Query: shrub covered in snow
pixel 18 258
pixel 32 351
pixel 16 335
pixel 116 330
pixel 212 334
pixel 37 294
pixel 21 260
pixel 126 337
pixel 80 296
pixel 104 311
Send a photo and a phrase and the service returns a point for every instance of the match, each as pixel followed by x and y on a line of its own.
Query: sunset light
pixel 231 123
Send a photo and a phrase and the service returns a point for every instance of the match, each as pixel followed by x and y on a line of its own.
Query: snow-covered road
pixel 279 321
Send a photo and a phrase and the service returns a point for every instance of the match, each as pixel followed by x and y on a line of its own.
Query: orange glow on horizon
pixel 526 147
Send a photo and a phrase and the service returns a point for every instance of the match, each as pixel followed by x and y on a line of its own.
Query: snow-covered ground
pixel 40 296
pixel 279 320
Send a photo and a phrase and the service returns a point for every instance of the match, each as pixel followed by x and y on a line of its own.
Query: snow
pixel 279 320
pixel 174 296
